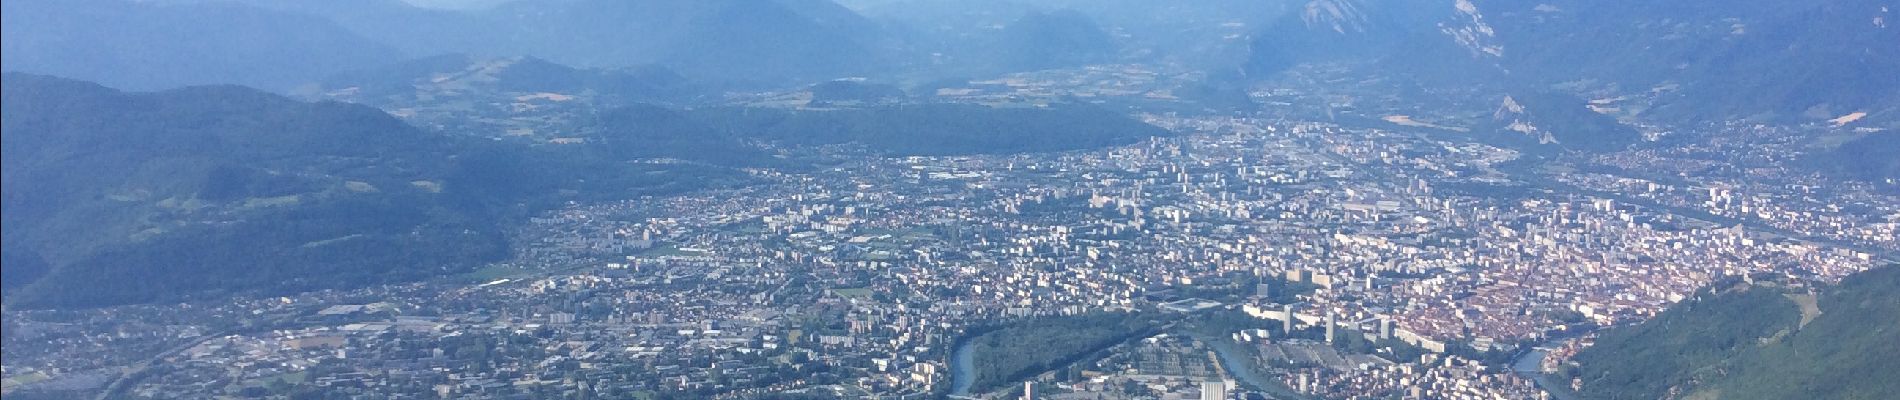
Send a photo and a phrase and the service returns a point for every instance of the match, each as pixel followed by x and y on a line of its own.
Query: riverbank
pixel 1238 362
pixel 962 367
pixel 1530 364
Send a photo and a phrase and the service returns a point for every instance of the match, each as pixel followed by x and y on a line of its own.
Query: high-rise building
pixel 1329 326
pixel 1214 390
pixel 1286 324
pixel 1029 390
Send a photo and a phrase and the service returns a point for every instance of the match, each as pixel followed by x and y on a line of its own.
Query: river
pixel 1232 358
pixel 1531 365
pixel 962 368
pixel 1237 362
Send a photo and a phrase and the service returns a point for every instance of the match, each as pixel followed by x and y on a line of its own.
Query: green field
pixel 493 273
pixel 292 378
pixel 10 383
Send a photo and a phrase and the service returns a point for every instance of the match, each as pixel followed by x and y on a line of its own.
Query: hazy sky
pixel 472 4
pixel 460 4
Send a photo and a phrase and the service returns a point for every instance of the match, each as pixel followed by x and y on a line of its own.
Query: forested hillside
pixel 114 197
pixel 1740 341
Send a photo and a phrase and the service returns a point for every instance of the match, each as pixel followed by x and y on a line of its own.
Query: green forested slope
pixel 1739 341
pixel 113 197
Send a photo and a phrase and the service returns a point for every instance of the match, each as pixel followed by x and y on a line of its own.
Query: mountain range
pixel 146 46
pixel 280 44
pixel 1788 61
pixel 1671 62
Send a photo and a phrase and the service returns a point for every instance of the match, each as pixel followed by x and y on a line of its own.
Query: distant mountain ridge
pixel 762 40
pixel 280 44
pixel 717 38
pixel 1801 61
pixel 1342 30
pixel 1772 59
pixel 144 46
pixel 1062 38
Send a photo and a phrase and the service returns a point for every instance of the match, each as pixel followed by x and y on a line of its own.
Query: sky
pixel 456 4
pixel 476 4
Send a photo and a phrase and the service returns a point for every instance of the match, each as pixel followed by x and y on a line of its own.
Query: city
pixel 1289 256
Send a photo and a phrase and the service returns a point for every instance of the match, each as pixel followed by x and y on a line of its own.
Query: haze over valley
pixel 912 199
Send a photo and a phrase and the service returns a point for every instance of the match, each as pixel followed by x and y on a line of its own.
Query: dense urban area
pixel 1291 253
pixel 950 199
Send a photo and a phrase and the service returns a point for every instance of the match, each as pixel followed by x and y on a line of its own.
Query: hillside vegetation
pixel 1739 341
pixel 114 197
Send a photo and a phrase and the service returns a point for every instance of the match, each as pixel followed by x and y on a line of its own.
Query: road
pixel 136 373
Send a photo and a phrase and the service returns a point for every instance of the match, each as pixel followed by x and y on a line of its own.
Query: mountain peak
pixel 1339 16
